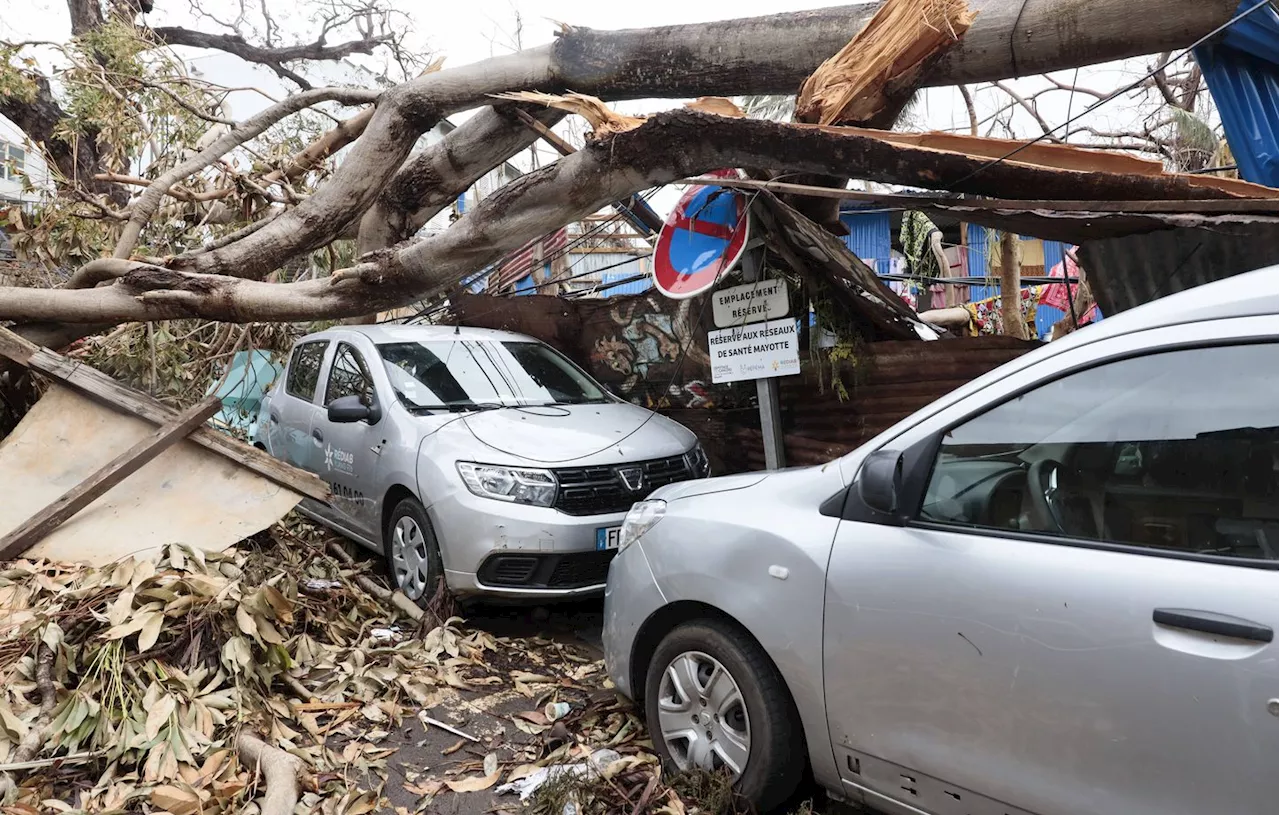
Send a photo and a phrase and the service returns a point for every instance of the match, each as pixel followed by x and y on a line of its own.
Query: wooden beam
pixel 899 201
pixel 38 526
pixel 94 383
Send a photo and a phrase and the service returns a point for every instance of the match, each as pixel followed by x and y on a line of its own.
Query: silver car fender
pixel 768 575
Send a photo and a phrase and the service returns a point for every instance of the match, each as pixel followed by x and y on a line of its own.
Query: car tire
pixel 775 747
pixel 412 551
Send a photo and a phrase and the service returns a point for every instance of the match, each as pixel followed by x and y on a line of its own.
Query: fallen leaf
pixel 473 783
pixel 448 751
pixel 159 715
pixel 429 787
pixel 491 764
pixel 175 800
pixel 150 631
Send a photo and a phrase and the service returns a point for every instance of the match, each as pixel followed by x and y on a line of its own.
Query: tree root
pixel 35 737
pixel 281 773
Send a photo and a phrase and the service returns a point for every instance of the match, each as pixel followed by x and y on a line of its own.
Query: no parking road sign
pixel 702 238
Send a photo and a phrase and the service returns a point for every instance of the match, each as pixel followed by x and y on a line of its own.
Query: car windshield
pixel 465 375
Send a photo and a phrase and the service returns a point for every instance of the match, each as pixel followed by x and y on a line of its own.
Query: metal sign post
pixel 766 388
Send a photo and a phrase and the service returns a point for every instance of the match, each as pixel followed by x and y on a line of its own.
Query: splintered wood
pixel 883 62
pixel 605 122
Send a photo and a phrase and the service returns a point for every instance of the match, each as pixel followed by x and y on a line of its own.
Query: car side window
pixel 348 376
pixel 1170 451
pixel 304 369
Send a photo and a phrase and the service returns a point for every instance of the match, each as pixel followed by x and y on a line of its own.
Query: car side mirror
pixel 880 481
pixel 349 409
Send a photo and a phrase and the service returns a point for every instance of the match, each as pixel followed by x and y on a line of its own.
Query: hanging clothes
pixel 1056 294
pixel 985 317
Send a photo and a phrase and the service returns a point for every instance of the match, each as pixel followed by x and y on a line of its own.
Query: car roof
pixel 391 332
pixel 1251 294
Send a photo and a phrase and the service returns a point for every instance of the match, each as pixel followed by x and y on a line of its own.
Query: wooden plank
pixel 35 528
pixel 1208 207
pixel 94 383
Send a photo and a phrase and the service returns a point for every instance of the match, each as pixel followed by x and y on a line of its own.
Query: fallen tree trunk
pixel 665 148
pixel 755 55
pixel 435 177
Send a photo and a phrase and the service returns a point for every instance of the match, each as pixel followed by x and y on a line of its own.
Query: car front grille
pixel 568 570
pixel 601 490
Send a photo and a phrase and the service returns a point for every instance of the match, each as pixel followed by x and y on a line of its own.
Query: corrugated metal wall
pixel 890 381
pixel 869 236
pixel 612 266
pixel 1240 70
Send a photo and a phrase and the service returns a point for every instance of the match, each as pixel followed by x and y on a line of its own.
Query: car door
pixel 292 407
pixel 348 452
pixel 1108 649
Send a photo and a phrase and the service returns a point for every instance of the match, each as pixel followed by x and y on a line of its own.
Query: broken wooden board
pixel 42 524
pixel 103 388
pixel 188 494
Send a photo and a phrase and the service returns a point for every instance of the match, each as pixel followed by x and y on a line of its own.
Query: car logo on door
pixel 632 478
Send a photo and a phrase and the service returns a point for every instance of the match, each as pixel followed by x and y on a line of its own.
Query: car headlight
pixel 640 519
pixel 517 485
pixel 697 462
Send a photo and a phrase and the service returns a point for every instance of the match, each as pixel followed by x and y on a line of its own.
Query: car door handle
pixel 275 417
pixel 317 434
pixel 1211 623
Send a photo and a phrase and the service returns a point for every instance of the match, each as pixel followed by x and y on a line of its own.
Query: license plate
pixel 607 538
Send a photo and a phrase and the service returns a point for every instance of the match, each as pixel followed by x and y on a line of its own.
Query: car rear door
pixel 1115 655
pixel 292 408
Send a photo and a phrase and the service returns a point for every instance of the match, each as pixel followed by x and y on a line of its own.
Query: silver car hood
pixel 781 479
pixel 574 435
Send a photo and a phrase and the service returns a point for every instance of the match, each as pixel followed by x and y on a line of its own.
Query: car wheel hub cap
pixel 702 715
pixel 409 558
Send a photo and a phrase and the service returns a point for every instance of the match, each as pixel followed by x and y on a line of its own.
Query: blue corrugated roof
pixel 634 287
pixel 1240 70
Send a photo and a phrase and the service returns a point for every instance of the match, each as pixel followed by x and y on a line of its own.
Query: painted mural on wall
pixel 642 344
pixel 632 343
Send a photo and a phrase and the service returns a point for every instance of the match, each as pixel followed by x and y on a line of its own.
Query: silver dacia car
pixel 1052 591
pixel 483 456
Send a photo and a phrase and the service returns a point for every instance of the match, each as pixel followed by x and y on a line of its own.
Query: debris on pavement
pixel 194 681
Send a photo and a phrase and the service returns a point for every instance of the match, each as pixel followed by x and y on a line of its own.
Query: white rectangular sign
pixel 740 305
pixel 754 351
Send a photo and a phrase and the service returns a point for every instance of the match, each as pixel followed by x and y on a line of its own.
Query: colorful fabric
pixel 985 317
pixel 1056 294
pixel 914 237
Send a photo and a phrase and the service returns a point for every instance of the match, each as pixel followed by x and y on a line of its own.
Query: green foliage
pixel 17 80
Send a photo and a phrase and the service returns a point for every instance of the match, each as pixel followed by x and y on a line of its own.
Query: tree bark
pixel 665 148
pixel 1011 286
pixel 435 177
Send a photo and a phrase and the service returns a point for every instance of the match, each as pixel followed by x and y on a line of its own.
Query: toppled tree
pixel 224 278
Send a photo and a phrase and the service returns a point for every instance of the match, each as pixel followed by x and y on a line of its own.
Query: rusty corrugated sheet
pixel 1127 272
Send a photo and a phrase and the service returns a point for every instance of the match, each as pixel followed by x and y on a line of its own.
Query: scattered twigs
pixel 35 736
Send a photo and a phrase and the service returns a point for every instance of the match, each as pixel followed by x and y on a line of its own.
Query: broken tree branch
pixel 150 199
pixel 38 731
pixel 771 54
pixel 280 773
pixel 665 148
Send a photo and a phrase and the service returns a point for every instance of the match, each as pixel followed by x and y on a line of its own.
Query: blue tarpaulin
pixel 1240 70
pixel 251 374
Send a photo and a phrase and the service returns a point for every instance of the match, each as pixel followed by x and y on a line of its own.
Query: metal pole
pixel 771 422
pixel 767 388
